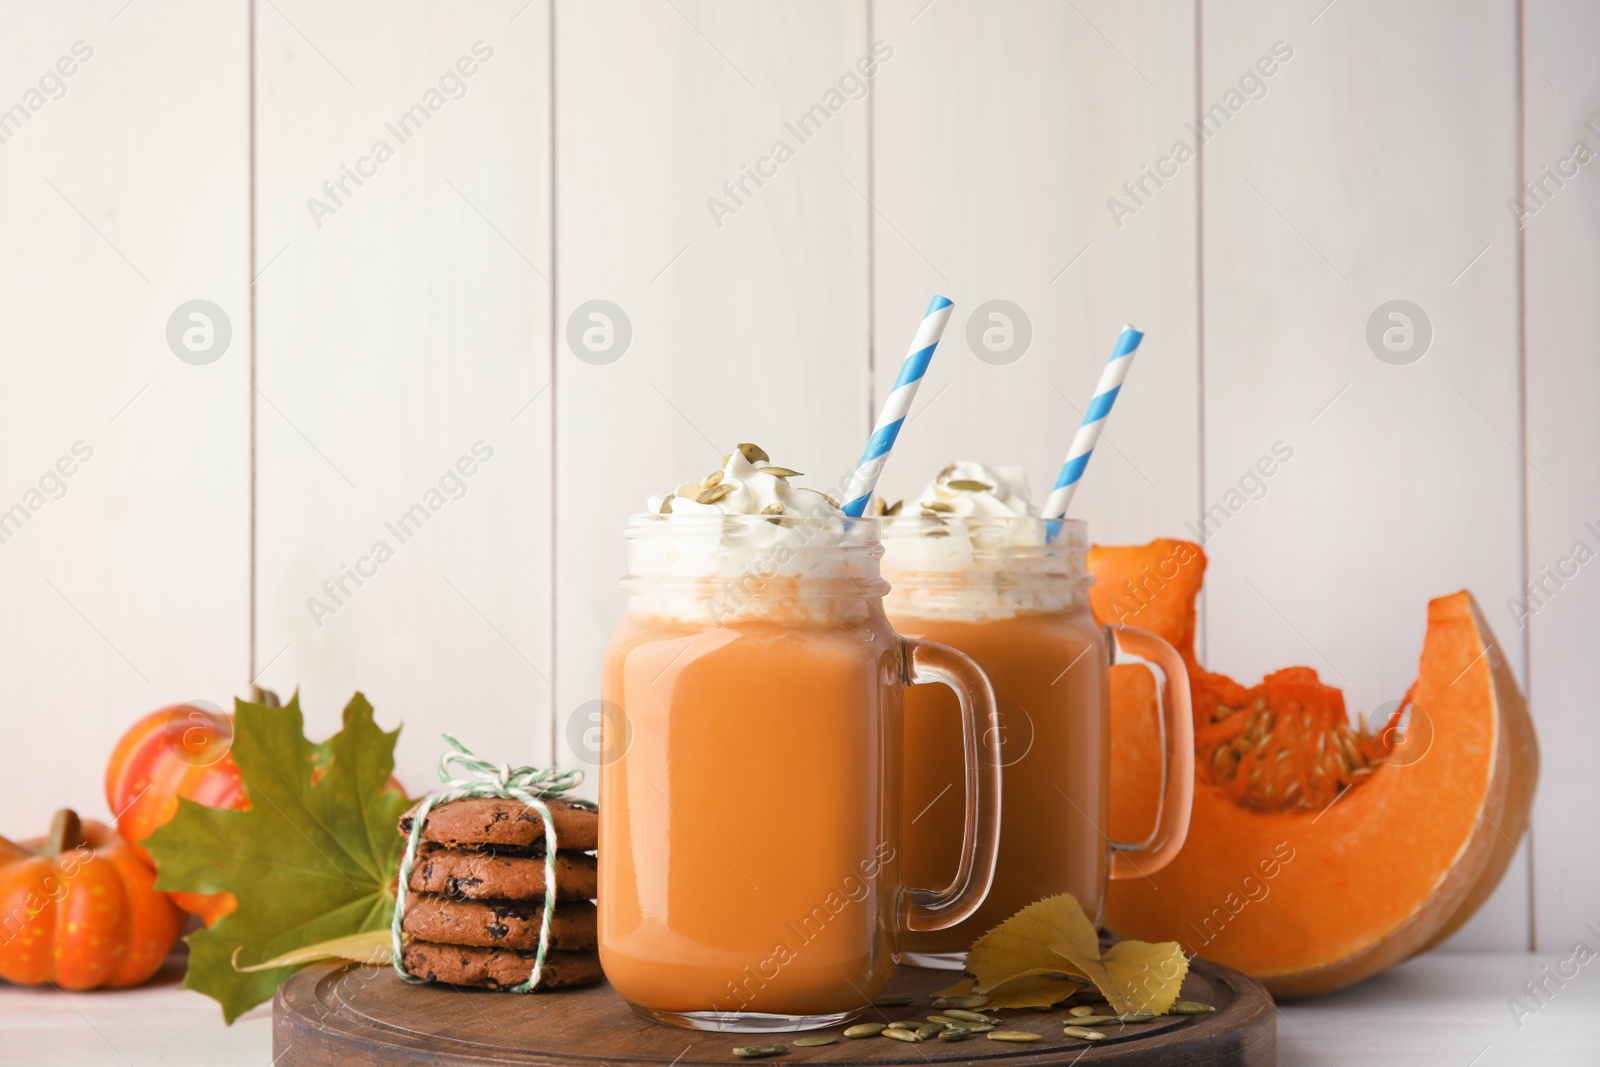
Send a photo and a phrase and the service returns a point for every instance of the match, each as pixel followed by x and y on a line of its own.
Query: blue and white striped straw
pixel 1094 420
pixel 896 407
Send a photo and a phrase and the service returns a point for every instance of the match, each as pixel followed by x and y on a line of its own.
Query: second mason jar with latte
pixel 973 566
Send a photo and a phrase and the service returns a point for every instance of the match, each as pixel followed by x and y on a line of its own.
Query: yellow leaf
pixel 370 946
pixel 1053 936
pixel 963 988
pixel 1032 991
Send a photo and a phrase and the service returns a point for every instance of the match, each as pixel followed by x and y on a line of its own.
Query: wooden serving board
pixel 351 1016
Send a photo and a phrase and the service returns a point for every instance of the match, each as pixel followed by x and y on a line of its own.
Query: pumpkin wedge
pixel 1319 854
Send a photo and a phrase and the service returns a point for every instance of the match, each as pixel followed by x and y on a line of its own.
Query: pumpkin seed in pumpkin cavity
pixel 756 1052
pixel 968 485
pixel 1191 1007
pixel 865 1030
pixel 815 1042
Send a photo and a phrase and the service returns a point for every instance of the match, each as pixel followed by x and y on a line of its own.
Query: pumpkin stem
pixel 66 833
pixel 265 696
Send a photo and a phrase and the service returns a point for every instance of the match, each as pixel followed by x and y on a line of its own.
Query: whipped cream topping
pixel 967 487
pixel 973 547
pixel 753 544
pixel 749 483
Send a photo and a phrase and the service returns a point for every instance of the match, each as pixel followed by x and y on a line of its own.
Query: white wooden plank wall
pixel 401 335
pixel 123 194
pixel 404 317
pixel 1561 84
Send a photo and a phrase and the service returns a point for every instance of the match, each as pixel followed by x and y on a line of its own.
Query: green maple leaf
pixel 309 862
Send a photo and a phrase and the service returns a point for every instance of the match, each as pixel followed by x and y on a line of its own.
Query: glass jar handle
pixel 1137 859
pixel 929 909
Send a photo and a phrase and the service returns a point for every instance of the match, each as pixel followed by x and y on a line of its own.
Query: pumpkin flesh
pixel 1319 854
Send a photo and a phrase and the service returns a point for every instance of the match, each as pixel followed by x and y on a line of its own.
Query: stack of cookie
pixel 477 893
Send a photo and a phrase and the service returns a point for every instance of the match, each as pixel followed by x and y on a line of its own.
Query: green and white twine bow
pixel 529 785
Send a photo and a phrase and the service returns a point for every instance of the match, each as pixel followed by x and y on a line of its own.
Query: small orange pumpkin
pixel 178 751
pixel 78 909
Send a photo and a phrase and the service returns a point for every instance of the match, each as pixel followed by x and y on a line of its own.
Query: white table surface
pixel 1446 1009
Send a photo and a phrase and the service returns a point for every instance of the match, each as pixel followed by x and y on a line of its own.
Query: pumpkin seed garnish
pixel 1135 1017
pixel 711 479
pixel 774 508
pixel 666 504
pixel 968 485
pixel 1192 1007
pixel 938 505
pixel 865 1030
pixel 1013 1035
pixel 780 472
pixel 968 1016
pixel 1083 1033
pixel 947 472
pixel 954 1033
pixel 830 498
pixel 893 509
pixel 896 1034
pixel 960 1002
pixel 714 494
pixel 815 1042
pixel 753 453
pixel 756 1052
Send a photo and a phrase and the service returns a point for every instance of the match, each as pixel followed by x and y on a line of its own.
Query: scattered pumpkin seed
pixel 968 1002
pixel 711 479
pixel 1135 1017
pixel 865 1030
pixel 896 1034
pixel 968 1016
pixel 903 1024
pixel 756 1052
pixel 1083 1033
pixel 927 1030
pixel 944 1020
pixel 779 472
pixel 815 1042
pixel 968 485
pixel 1095 1020
pixel 1013 1035
pixel 954 1033
pixel 1081 1009
pixel 714 494
pixel 1192 1007
pixel 980 1028
pixel 753 453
